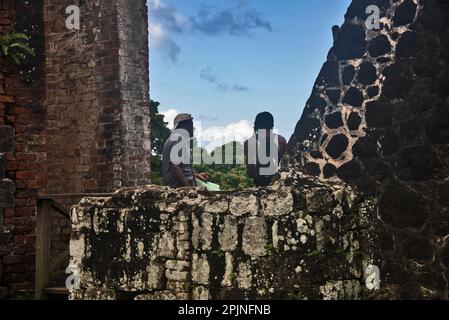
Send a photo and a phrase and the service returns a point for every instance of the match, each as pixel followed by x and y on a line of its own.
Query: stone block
pixel 255 237
pixel 228 236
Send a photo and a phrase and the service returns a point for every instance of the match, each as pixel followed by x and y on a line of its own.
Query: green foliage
pixel 314 253
pixel 232 276
pixel 159 134
pixel 228 176
pixel 218 253
pixel 271 249
pixel 15 46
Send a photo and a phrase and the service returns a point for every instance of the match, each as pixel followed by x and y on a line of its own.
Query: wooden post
pixel 43 255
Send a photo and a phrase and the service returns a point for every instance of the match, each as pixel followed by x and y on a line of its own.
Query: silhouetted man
pixel 176 166
pixel 264 150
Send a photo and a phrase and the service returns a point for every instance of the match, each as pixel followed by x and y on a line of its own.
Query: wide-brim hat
pixel 181 118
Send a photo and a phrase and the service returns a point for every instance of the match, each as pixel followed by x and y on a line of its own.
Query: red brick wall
pixel 78 113
pixel 22 111
pixel 96 98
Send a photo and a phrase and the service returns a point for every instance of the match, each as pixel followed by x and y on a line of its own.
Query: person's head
pixel 264 120
pixel 184 121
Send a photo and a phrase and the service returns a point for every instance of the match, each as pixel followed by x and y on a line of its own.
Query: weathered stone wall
pixel 304 238
pixel 378 118
pixel 97 96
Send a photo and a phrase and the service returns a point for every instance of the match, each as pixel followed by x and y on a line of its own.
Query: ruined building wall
pixel 22 143
pixel 7 200
pixel 378 118
pixel 75 119
pixel 97 97
pixel 303 238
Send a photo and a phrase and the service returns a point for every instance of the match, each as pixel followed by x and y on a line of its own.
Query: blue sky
pixel 225 61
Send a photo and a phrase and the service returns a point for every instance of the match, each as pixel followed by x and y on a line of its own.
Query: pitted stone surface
pixel 255 237
pixel 279 203
pixel 352 52
pixel 224 255
pixel 229 237
pixel 395 109
pixel 242 205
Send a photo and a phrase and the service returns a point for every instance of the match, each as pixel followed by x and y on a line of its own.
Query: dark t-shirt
pixel 186 166
pixel 253 165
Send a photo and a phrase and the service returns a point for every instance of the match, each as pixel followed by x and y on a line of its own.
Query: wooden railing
pixel 46 204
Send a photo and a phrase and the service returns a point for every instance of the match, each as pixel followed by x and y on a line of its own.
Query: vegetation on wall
pixel 15 47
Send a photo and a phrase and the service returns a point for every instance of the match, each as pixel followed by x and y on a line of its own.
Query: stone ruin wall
pixel 304 238
pixel 97 97
pixel 75 119
pixel 378 119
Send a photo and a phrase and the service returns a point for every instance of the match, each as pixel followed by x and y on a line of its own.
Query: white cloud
pixel 169 116
pixel 214 136
pixel 156 31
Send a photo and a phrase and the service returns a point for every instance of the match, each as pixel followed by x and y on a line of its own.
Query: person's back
pixel 167 174
pixel 176 166
pixel 259 146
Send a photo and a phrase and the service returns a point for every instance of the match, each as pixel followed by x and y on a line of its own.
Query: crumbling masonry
pixel 301 238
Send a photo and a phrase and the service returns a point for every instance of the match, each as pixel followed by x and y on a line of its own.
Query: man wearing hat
pixel 176 166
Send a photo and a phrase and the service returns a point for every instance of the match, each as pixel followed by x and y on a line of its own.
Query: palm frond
pixel 5 49
pixel 15 58
pixel 15 45
pixel 24 47
pixel 15 36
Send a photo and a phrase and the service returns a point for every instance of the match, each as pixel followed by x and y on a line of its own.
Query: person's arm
pixel 202 176
pixel 179 175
